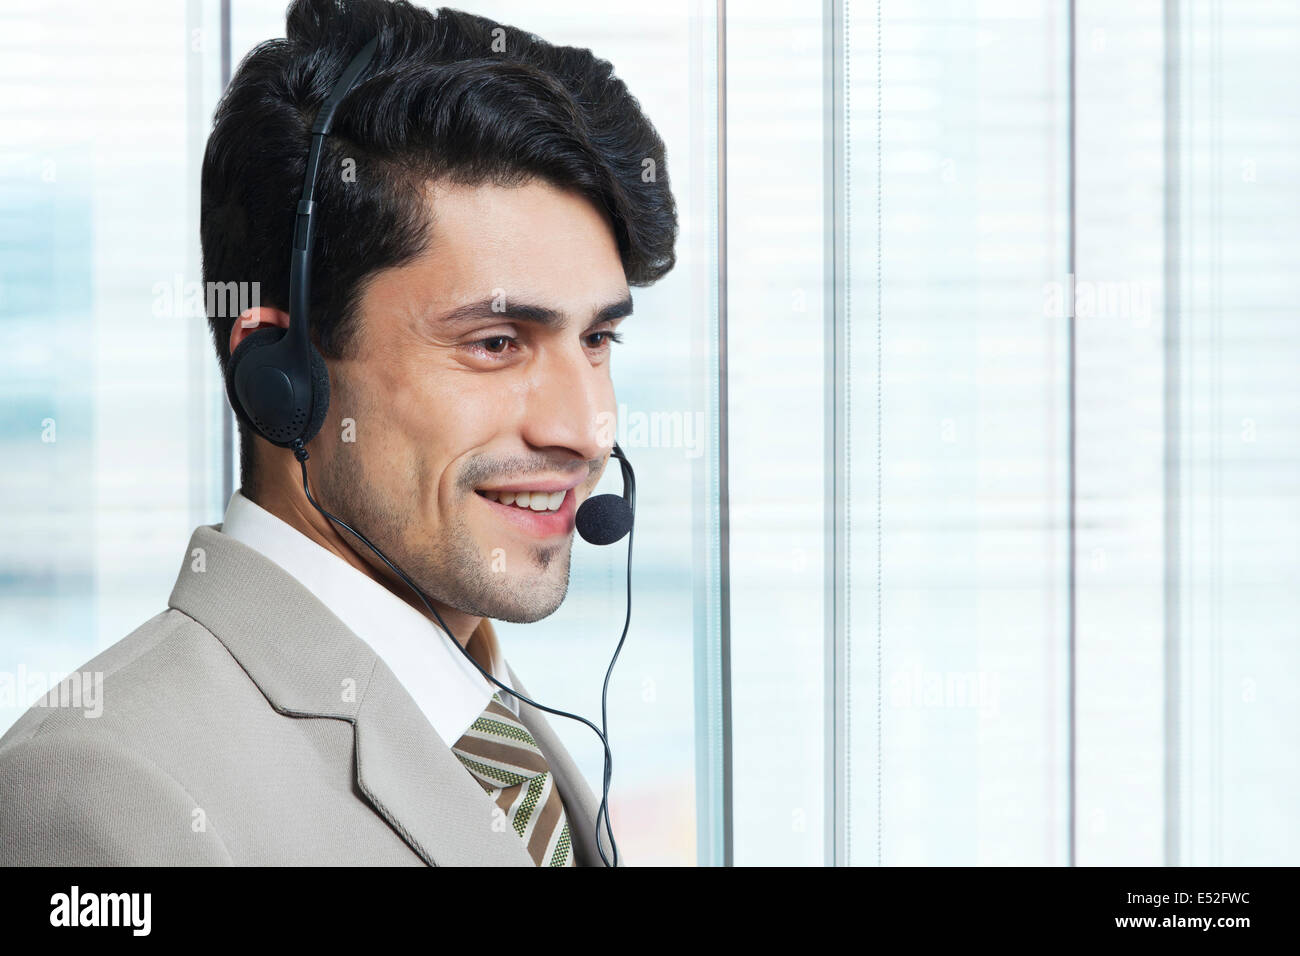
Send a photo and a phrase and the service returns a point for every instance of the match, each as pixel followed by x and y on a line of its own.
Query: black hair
pixel 449 96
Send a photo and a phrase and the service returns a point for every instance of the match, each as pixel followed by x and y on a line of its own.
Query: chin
pixel 530 598
pixel 521 614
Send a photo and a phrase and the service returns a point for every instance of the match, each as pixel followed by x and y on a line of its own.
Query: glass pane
pixel 1120 493
pixel 112 414
pixel 954 398
pixel 1235 725
pixel 1187 434
pixel 776 356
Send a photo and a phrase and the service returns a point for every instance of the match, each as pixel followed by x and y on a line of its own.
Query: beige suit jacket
pixel 247 725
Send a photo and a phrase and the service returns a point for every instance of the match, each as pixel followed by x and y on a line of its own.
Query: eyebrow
pixel 529 312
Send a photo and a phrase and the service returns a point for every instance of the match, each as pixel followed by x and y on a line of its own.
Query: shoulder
pixel 82 781
pixel 166 656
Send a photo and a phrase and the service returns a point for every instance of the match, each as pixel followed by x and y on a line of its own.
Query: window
pixel 966 428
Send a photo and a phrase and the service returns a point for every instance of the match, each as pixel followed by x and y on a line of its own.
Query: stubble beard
pixel 451 570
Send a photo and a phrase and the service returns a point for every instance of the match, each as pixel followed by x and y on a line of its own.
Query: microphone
pixel 604 519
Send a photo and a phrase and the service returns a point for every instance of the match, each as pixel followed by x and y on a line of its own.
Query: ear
pixel 250 320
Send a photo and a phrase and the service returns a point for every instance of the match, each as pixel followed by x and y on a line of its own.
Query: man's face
pixel 454 390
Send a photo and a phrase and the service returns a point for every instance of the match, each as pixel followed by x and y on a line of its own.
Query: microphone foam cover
pixel 603 519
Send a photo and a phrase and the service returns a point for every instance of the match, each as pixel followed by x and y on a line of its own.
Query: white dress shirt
pixel 447 688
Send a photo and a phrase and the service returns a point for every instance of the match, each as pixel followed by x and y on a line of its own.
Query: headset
pixel 278 384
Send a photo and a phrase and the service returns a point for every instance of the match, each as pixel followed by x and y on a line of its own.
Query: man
pixel 483 208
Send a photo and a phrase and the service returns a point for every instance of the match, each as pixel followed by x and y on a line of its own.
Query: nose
pixel 570 403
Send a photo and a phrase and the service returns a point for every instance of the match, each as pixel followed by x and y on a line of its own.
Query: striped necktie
pixel 503 757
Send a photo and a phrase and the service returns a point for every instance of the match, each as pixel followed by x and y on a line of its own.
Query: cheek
pixel 474 403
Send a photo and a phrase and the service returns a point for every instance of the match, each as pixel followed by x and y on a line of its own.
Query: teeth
pixel 532 500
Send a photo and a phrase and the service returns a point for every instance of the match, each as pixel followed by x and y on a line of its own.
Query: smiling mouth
pixel 541 501
pixel 535 516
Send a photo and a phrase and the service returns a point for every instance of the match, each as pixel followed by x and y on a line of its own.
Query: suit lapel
pixel 422 789
pixel 308 664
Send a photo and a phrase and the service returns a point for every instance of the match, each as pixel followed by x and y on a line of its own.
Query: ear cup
pixel 320 395
pixel 248 359
pixel 254 340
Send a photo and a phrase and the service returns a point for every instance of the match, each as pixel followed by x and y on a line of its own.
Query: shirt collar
pixel 448 689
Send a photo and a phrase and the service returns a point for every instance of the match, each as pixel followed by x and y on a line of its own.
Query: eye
pixel 613 337
pixel 489 344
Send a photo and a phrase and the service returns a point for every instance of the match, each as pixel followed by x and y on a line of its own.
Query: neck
pixel 293 508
